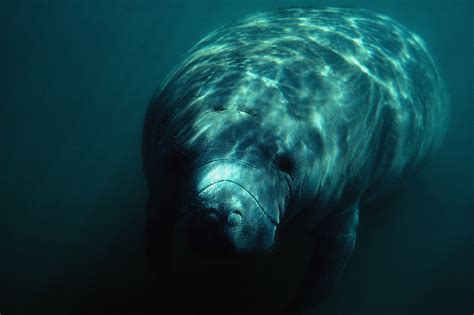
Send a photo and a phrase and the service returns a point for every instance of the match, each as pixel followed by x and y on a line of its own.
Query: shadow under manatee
pixel 247 285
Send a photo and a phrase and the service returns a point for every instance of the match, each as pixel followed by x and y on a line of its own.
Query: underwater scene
pixel 317 157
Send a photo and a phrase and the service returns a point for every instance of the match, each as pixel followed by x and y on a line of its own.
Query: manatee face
pixel 232 209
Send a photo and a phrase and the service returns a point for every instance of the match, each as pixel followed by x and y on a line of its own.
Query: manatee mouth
pixel 225 219
pixel 273 221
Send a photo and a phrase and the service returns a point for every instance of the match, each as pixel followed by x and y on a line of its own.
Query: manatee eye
pixel 178 161
pixel 218 108
pixel 285 163
pixel 175 161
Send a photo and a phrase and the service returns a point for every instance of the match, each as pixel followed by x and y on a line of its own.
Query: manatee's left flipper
pixel 334 240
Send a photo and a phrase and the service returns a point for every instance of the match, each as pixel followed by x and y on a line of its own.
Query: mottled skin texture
pixel 296 111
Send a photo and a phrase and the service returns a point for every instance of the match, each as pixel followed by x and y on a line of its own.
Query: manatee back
pixel 356 94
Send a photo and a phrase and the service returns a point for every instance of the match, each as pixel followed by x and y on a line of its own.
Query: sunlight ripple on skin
pixel 295 111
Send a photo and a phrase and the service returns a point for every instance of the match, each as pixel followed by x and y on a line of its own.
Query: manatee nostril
pixel 234 218
pixel 213 216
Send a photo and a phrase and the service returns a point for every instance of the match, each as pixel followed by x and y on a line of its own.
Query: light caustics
pixel 335 68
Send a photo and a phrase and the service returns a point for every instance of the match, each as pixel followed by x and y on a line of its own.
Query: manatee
pixel 298 112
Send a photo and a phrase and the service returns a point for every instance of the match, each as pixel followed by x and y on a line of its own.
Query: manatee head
pixel 234 207
pixel 237 194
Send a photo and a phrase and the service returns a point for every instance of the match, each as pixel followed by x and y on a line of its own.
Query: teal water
pixel 77 77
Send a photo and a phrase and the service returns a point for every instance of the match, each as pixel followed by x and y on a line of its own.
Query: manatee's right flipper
pixel 334 240
pixel 159 230
pixel 158 238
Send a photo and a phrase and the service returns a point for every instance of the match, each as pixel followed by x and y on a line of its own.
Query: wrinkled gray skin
pixel 293 112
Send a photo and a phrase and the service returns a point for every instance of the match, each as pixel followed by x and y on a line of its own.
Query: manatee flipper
pixel 334 240
pixel 158 237
pixel 158 248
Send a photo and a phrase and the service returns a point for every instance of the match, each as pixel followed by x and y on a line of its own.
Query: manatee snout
pixel 226 216
pixel 225 202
